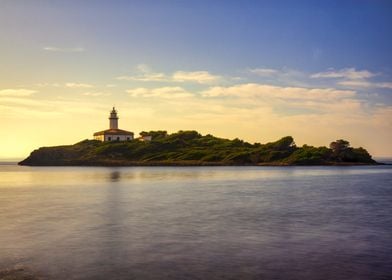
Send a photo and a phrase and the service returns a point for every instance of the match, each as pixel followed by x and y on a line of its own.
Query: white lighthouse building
pixel 113 133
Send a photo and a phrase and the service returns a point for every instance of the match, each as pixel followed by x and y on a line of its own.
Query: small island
pixel 190 148
pixel 117 147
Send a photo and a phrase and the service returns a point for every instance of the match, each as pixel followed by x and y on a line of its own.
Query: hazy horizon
pixel 254 70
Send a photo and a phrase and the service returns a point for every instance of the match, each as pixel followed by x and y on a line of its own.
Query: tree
pixel 339 146
pixel 154 134
pixel 286 143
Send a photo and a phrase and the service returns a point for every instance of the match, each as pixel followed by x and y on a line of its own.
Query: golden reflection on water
pixel 18 176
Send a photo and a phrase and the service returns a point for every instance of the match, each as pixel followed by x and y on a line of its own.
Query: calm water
pixel 197 222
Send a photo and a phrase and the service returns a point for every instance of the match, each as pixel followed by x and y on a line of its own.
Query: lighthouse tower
pixel 113 119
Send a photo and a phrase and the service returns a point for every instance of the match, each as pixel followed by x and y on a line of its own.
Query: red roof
pixel 113 132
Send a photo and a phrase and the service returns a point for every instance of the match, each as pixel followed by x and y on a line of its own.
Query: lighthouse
pixel 113 119
pixel 113 133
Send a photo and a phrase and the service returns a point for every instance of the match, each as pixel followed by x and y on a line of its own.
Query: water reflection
pixel 41 176
pixel 197 223
pixel 111 225
pixel 115 176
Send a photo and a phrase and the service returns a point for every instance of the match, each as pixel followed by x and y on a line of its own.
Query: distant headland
pixel 117 147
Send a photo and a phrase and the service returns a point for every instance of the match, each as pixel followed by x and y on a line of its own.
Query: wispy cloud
pixel 364 84
pixel 252 90
pixel 346 73
pixel 147 75
pixel 385 85
pixel 264 71
pixel 17 101
pixel 352 78
pixel 253 98
pixel 65 50
pixel 66 85
pixel 49 85
pixel 31 107
pixel 355 83
pixel 17 92
pixel 282 76
pixel 162 92
pixel 78 85
pixel 95 94
pixel 202 77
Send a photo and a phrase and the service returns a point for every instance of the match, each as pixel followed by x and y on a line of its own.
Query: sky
pixel 255 70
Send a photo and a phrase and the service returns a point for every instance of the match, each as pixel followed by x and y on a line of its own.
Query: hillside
pixel 192 148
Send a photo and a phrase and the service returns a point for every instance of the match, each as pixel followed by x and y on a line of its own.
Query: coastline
pixel 190 148
pixel 190 163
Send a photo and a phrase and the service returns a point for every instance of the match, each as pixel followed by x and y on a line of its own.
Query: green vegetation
pixel 191 148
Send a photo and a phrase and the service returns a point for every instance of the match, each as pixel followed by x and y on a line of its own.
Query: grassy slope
pixel 191 148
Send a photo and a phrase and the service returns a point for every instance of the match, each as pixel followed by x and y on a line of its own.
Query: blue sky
pixel 306 35
pixel 290 63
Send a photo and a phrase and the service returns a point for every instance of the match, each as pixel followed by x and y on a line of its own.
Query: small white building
pixel 113 133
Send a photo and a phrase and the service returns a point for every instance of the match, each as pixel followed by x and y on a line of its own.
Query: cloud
pixel 17 92
pixel 355 83
pixel 13 100
pixel 283 76
pixel 69 85
pixel 78 85
pixel 351 78
pixel 384 85
pixel 147 75
pixel 94 94
pixel 49 85
pixel 163 92
pixel 346 73
pixel 364 84
pixel 252 90
pixel 29 107
pixel 202 77
pixel 264 71
pixel 65 50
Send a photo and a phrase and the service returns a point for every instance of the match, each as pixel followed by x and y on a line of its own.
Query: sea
pixel 322 222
